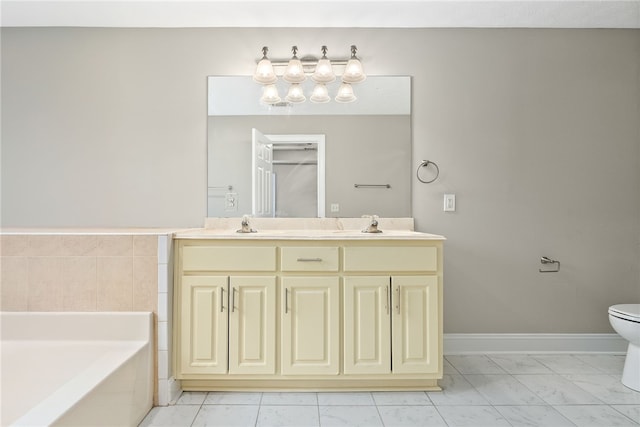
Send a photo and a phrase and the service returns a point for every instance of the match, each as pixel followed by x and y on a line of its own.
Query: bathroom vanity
pixel 325 307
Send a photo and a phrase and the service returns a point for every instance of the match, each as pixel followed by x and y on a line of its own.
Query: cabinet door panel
pixel 310 325
pixel 203 325
pixel 367 325
pixel 415 324
pixel 252 325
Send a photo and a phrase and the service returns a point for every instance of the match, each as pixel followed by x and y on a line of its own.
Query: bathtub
pixel 81 369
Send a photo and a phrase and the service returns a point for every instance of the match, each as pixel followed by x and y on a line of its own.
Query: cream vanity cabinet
pixel 227 322
pixel 309 313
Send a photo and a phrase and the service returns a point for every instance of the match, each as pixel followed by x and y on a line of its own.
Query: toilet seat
pixel 629 312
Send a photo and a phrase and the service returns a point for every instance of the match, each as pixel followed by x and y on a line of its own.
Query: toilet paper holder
pixel 545 261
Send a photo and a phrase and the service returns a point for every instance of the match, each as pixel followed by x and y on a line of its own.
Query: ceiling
pixel 327 13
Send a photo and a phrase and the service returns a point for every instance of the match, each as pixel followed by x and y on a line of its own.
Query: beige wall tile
pixel 80 283
pixel 145 246
pixel 45 284
pixel 79 245
pixel 13 283
pixel 44 245
pixel 145 283
pixel 14 245
pixel 115 284
pixel 119 246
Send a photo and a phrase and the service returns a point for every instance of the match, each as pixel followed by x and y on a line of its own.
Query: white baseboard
pixel 533 343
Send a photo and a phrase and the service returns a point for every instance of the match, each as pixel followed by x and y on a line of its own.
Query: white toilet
pixel 625 319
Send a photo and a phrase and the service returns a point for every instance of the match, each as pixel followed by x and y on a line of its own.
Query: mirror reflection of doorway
pixel 288 175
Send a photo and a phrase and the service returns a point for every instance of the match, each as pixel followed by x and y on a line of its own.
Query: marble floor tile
pixel 447 368
pixel 288 416
pixel 410 416
pixel 595 416
pixel 232 398
pixel 607 388
pixel 171 416
pixel 557 390
pixel 226 416
pixel 503 390
pixel 400 398
pixel 475 364
pixel 289 399
pixel 631 411
pixel 519 364
pixel 533 416
pixel 345 399
pixel 606 363
pixel 456 390
pixel 472 416
pixel 566 364
pixel 350 416
pixel 192 398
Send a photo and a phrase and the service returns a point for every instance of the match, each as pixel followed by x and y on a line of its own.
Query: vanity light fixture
pixel 270 95
pixel 320 94
pixel 295 94
pixel 353 72
pixel 345 93
pixel 296 71
pixel 324 71
pixel 264 71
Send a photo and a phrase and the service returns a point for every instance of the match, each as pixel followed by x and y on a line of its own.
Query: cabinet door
pixel 310 325
pixel 367 325
pixel 203 325
pixel 252 325
pixel 415 324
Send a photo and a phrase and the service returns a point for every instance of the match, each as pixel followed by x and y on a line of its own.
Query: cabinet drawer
pixel 391 258
pixel 236 258
pixel 310 259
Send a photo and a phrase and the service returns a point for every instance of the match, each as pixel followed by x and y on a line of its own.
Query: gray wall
pixel 537 132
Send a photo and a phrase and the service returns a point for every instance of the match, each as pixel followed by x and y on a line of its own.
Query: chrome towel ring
pixel 425 164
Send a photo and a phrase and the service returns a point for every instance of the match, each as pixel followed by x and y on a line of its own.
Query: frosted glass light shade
pixel 270 95
pixel 294 72
pixel 320 94
pixel 295 94
pixel 324 72
pixel 264 73
pixel 353 71
pixel 345 93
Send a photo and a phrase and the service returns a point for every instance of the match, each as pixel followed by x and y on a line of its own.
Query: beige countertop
pixel 305 234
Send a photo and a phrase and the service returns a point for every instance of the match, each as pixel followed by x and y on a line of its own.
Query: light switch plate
pixel 449 202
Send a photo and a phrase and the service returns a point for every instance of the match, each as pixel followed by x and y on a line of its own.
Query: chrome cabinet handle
pixel 386 291
pixel 309 259
pixel 233 299
pixel 398 300
pixel 221 299
pixel 286 300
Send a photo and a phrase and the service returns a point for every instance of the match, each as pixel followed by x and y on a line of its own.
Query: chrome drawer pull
pixel 309 259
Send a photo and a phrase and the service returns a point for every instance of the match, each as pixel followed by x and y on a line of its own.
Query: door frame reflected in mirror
pixel 262 208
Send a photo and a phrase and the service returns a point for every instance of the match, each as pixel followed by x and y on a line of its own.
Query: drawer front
pixel 220 258
pixel 310 259
pixel 392 258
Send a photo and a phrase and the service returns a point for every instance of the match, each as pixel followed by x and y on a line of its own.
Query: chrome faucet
pixel 245 226
pixel 373 224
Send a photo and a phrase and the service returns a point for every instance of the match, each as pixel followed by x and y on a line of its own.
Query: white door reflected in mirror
pixel 288 175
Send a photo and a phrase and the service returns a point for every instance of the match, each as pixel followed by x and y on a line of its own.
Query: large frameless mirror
pixel 306 159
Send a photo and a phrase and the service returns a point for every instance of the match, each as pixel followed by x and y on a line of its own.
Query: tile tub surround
pixel 478 390
pixel 92 270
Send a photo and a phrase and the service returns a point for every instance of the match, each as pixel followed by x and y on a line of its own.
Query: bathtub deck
pixel 29 363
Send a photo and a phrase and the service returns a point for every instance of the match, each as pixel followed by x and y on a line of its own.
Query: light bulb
pixel 270 95
pixel 294 72
pixel 295 94
pixel 264 71
pixel 345 93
